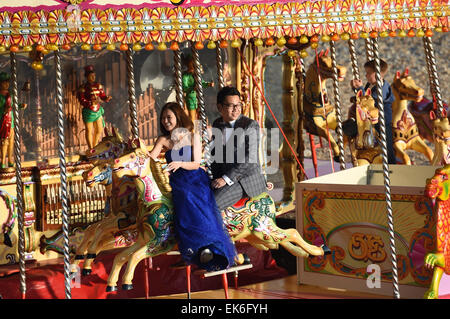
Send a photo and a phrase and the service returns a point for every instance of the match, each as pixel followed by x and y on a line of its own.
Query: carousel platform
pixel 45 280
pixel 282 288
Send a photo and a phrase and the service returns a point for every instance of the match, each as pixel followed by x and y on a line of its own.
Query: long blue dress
pixel 198 222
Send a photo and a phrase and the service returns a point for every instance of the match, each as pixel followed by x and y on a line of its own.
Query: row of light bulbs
pixel 281 42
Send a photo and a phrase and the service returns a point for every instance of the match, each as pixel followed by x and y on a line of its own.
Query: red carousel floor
pixel 46 280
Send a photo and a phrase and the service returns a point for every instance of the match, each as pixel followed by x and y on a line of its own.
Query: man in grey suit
pixel 235 167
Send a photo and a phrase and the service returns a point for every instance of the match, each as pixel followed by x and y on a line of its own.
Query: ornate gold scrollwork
pixel 366 247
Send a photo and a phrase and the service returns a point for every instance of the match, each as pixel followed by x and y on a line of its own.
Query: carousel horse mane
pixel 162 180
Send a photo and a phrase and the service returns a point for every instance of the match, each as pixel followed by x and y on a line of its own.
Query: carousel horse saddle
pixel 423 107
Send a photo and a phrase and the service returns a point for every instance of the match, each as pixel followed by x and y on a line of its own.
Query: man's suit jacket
pixel 244 142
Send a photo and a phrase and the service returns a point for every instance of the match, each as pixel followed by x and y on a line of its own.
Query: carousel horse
pixel 320 114
pixel 441 136
pixel 119 222
pixel 421 113
pixel 405 131
pixel 363 145
pixel 437 189
pixel 253 220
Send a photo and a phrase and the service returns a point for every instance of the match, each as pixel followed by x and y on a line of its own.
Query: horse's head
pixel 326 66
pixel 99 174
pixel 365 106
pixel 366 117
pixel 405 88
pixel 111 146
pixel 438 185
pixel 134 162
pixel 441 126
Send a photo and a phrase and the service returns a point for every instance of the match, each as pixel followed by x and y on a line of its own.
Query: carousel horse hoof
pixel 326 250
pixel 127 286
pixel 86 272
pixel 91 256
pixel 111 288
pixel 79 257
pixel 206 255
pixel 336 158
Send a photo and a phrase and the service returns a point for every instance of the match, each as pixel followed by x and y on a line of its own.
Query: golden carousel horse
pixel 320 114
pixel 437 189
pixel 405 131
pixel 118 227
pixel 255 220
pixel 441 136
pixel 363 146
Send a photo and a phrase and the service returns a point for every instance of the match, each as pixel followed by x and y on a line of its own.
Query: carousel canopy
pixel 27 22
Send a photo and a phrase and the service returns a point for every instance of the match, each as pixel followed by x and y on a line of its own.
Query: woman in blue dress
pixel 202 237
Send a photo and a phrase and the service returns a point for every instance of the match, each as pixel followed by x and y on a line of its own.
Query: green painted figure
pixel 190 96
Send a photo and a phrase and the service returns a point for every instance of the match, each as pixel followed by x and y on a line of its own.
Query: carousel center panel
pixel 347 211
pixel 43 210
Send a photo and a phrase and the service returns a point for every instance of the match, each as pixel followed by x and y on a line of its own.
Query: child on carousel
pixel 388 99
pixel 202 237
pixel 7 122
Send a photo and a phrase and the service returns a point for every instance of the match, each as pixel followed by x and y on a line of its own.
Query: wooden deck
pixel 284 288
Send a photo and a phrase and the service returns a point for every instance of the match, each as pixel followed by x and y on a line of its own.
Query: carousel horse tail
pixel 161 179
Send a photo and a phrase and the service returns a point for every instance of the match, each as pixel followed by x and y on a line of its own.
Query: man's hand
pixel 218 183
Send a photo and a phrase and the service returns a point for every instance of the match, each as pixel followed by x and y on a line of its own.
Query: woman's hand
pixel 173 166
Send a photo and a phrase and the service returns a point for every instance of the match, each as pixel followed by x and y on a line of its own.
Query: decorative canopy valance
pixel 115 21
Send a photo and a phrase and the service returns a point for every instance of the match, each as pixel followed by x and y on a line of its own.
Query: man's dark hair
pixel 227 91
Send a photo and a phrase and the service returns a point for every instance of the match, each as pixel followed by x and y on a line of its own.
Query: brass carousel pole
pixel 19 182
pixel 300 74
pixel 387 182
pixel 201 106
pixel 38 118
pixel 288 162
pixel 63 174
pixel 354 60
pixel 219 64
pixel 369 50
pixel 337 101
pixel 178 76
pixel 433 75
pixel 132 94
pixel 356 76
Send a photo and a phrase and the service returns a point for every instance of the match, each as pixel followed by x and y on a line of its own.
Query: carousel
pixel 86 212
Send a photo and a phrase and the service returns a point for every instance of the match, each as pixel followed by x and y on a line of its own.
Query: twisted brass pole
pixel 435 87
pixel 19 182
pixel 178 76
pixel 354 60
pixel 387 182
pixel 63 174
pixel 369 50
pixel 219 64
pixel 201 106
pixel 132 94
pixel 337 101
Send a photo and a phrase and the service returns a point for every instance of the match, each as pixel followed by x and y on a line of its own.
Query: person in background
pixel 388 99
